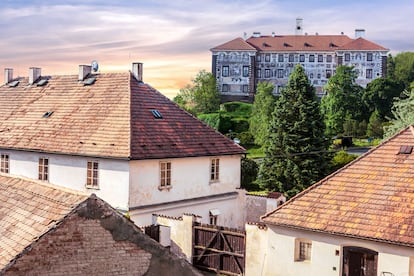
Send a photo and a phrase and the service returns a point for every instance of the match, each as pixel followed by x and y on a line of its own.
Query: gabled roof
pixel 371 198
pixel 309 43
pixel 361 44
pixel 237 44
pixel 110 118
pixel 29 209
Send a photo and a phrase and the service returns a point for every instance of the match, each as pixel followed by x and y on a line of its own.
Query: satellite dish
pixel 95 66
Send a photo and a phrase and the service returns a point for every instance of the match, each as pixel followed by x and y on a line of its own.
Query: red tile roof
pixel 235 44
pixel 371 198
pixel 362 44
pixel 110 118
pixel 28 210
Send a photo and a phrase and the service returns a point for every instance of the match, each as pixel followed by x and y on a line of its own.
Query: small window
pixel 369 56
pixel 259 73
pixel 245 71
pixel 329 58
pixel 4 168
pixel 303 250
pixel 267 57
pixel 165 174
pixel 280 73
pixel 405 149
pixel 43 169
pixel 47 114
pixel 259 58
pixel 347 57
pixel 156 114
pixel 225 71
pixel 245 88
pixel 369 73
pixel 280 58
pixel 301 58
pixel 225 88
pixel 320 58
pixel 92 176
pixel 311 58
pixel 215 169
pixel 267 73
pixel 311 75
pixel 291 57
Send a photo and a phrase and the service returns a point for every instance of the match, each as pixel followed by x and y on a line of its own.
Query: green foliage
pixel 404 68
pixel 343 101
pixel 263 106
pixel 294 151
pixel 249 170
pixel 255 151
pixel 211 119
pixel 403 112
pixel 375 128
pixel 239 108
pixel 340 159
pixel 246 138
pixel 201 96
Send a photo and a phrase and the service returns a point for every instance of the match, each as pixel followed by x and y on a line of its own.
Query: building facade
pixel 241 63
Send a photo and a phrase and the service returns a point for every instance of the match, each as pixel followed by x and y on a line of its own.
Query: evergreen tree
pixel 403 111
pixel 263 105
pixel 295 149
pixel 374 128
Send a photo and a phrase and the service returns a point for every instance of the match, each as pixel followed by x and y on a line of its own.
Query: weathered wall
pixel 256 242
pixel 98 241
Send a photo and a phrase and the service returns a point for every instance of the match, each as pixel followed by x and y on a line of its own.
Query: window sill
pixel 214 181
pixel 165 188
pixel 92 187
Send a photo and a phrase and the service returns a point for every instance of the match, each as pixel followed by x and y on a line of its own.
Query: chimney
pixel 137 70
pixel 299 26
pixel 8 75
pixel 273 34
pixel 256 34
pixel 84 71
pixel 34 74
pixel 359 33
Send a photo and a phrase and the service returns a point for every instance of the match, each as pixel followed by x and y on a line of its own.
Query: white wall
pixel 70 171
pixel 324 260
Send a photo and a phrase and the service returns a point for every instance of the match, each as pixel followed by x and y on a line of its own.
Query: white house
pixel 357 221
pixel 113 135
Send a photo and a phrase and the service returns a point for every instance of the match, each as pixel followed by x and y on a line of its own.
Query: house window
pixel 328 74
pixel 4 168
pixel 165 174
pixel 215 169
pixel 245 88
pixel 311 75
pixel 311 58
pixel 303 250
pixel 320 58
pixel 225 88
pixel 291 57
pixel 329 58
pixel 259 58
pixel 267 73
pixel 319 75
pixel 280 58
pixel 369 74
pixel 347 57
pixel 280 73
pixel 301 58
pixel 259 73
pixel 92 174
pixel 369 56
pixel 44 169
pixel 245 71
pixel 225 71
pixel 267 57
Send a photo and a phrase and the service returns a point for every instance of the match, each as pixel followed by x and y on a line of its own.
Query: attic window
pixel 156 114
pixel 332 45
pixel 265 44
pixel 405 150
pixel 286 45
pixel 13 83
pixel 307 44
pixel 89 81
pixel 42 82
pixel 47 114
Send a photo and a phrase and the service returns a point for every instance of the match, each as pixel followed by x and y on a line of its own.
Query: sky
pixel 173 38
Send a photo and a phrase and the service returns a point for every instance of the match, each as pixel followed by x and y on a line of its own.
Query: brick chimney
pixel 8 75
pixel 137 70
pixel 34 74
pixel 84 71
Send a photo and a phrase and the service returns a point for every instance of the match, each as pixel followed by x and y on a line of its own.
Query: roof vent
pixel 34 74
pixel 405 149
pixel 84 71
pixel 8 75
pixel 137 70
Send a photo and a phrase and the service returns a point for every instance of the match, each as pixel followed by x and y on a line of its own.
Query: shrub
pixel 212 119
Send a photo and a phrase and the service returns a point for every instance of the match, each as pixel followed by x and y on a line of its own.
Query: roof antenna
pixel 95 66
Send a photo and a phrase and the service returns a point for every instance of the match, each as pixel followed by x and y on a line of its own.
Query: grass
pixel 366 142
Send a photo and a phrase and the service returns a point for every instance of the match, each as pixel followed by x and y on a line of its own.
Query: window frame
pixel 215 169
pixel 369 73
pixel 92 174
pixel 245 71
pixel 245 88
pixel 267 73
pixel 280 58
pixel 43 169
pixel 347 57
pixel 312 58
pixel 213 220
pixel 291 58
pixel 165 175
pixel 320 58
pixel 301 58
pixel 225 87
pixel 329 58
pixel 370 57
pixel 303 250
pixel 225 71
pixel 5 163
pixel 280 73
pixel 267 57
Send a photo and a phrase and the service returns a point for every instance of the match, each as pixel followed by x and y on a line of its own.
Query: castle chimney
pixel 8 75
pixel 34 74
pixel 84 71
pixel 359 33
pixel 299 26
pixel 137 70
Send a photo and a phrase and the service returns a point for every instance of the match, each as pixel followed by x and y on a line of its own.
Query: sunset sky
pixel 173 38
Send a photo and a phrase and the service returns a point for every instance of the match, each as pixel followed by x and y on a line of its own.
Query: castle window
pixel 280 58
pixel 320 58
pixel 291 57
pixel 225 71
pixel 301 58
pixel 311 58
pixel 369 56
pixel 329 58
pixel 347 57
pixel 267 57
pixel 369 74
pixel 245 71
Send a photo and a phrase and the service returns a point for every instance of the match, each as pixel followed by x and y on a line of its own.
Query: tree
pixel 201 96
pixel 403 112
pixel 249 170
pixel 295 149
pixel 343 100
pixel 404 68
pixel 375 128
pixel 263 105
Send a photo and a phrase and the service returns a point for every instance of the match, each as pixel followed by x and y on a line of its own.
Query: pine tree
pixel 295 152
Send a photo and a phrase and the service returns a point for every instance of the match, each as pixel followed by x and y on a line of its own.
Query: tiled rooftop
pixel 29 209
pixel 110 118
pixel 235 44
pixel 370 198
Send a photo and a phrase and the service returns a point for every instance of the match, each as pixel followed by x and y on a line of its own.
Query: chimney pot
pixel 84 71
pixel 34 74
pixel 8 75
pixel 137 70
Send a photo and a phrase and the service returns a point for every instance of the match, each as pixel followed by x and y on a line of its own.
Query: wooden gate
pixel 219 249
